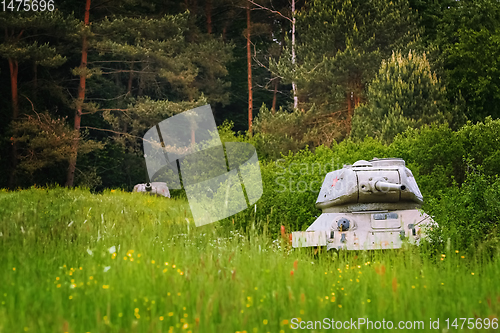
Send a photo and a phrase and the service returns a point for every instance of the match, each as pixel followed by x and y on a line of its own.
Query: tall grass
pixel 71 261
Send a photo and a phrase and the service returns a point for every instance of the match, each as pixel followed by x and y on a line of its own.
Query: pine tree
pixel 405 93
pixel 340 48
pixel 468 44
pixel 22 45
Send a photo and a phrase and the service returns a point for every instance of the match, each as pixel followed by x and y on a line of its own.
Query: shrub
pixel 468 215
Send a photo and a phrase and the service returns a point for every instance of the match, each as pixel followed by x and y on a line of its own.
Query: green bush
pixel 469 214
pixel 434 154
pixel 481 143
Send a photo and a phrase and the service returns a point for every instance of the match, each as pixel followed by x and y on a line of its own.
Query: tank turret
pixel 368 205
pixel 367 185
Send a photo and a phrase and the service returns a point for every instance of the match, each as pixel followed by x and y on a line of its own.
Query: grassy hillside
pixel 72 261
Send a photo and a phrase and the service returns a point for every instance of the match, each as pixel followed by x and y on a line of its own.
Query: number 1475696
pixel 472 323
pixel 27 5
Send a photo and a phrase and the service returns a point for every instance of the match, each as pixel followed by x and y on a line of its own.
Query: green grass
pixel 165 276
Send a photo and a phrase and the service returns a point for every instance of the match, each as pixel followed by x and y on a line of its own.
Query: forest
pixel 83 80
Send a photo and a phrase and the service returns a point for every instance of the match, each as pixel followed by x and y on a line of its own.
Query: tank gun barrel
pixel 385 186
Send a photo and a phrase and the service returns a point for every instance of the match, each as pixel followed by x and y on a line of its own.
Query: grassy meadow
pixel 72 261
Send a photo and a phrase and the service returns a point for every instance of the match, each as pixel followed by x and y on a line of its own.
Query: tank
pixel 366 206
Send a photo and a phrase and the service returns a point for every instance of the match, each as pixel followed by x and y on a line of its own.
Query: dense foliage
pixel 404 94
pixel 109 72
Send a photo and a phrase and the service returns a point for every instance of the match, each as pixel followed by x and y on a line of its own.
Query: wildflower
pixel 152 261
pixel 105 286
pixel 185 326
pixel 380 270
pixel 112 249
pixel 456 251
pixel 170 314
pixel 284 322
pixel 107 268
pixel 264 321
pixel 13 268
pixel 472 273
pixel 161 317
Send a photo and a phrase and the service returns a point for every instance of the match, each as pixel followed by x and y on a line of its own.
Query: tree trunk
pixel 208 14
pixel 277 79
pixel 349 110
pixel 275 93
pixel 249 62
pixel 14 67
pixel 81 97
pixel 35 80
pixel 294 84
pixel 130 79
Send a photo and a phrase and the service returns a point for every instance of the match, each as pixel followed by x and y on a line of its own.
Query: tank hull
pixel 367 230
